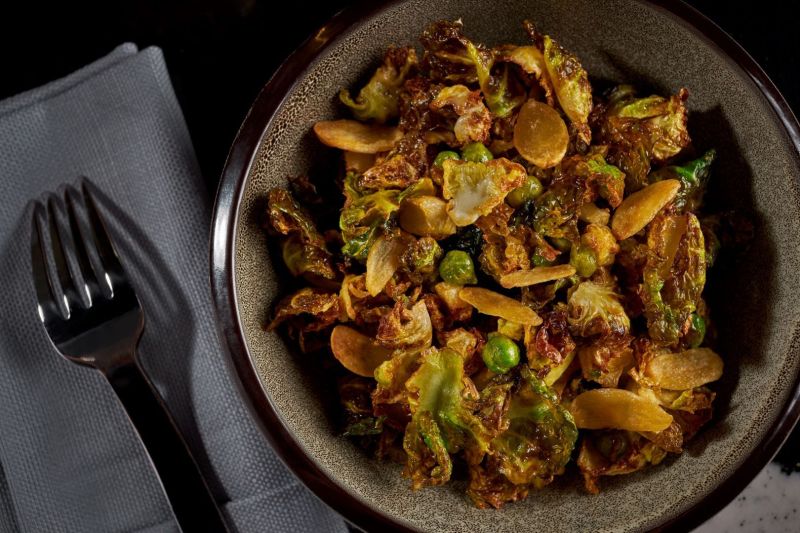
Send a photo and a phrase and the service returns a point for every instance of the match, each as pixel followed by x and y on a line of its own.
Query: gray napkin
pixel 69 460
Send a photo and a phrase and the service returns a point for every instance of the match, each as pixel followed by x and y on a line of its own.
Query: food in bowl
pixel 515 278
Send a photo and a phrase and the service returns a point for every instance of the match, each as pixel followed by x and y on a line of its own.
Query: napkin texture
pixel 69 459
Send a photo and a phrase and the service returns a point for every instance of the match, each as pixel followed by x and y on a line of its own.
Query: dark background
pixel 221 52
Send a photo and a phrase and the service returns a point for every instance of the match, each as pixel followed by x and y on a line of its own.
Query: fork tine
pixel 58 247
pixel 90 267
pixel 48 294
pixel 109 261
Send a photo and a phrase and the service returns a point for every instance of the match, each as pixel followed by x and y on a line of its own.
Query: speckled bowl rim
pixel 222 257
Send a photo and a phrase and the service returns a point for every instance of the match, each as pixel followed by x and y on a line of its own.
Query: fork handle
pixel 191 500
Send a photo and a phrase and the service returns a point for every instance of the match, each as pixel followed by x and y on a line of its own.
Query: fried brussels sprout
pixel 451 57
pixel 442 421
pixel 304 250
pixel 569 80
pixel 595 309
pixel 378 100
pixel 540 436
pixel 422 256
pixel 363 220
pixel 474 120
pixel 600 240
pixel 401 167
pixel 644 130
pixel 474 189
pixel 614 452
pixel 674 275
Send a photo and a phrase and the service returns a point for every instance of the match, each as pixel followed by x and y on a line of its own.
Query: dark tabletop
pixel 221 52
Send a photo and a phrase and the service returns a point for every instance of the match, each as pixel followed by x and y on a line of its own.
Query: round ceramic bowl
pixel 658 46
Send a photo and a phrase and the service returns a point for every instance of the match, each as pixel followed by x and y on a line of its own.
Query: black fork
pixel 93 317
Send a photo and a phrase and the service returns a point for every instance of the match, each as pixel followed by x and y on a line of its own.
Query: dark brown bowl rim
pixel 229 196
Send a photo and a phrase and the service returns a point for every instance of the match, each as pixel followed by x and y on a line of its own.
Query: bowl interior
pixel 752 297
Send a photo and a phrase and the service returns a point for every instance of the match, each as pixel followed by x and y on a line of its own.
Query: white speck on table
pixel 770 504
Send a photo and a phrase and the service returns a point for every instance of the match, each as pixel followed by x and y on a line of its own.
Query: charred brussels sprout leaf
pixel 474 120
pixel 378 99
pixel 540 436
pixel 468 239
pixel 569 81
pixel 304 250
pixel 451 57
pixel 363 220
pixel 693 177
pixel 674 275
pixel 655 125
pixel 442 422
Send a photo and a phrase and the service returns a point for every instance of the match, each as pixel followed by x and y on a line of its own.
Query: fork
pixel 93 317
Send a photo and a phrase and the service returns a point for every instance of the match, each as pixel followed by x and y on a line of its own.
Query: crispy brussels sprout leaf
pixel 354 395
pixel 400 168
pixel 552 343
pixel 655 125
pixel 304 250
pixel 474 189
pixel 609 453
pixel 305 312
pixel 406 328
pixel 474 121
pixel 442 422
pixel 693 177
pixel 569 80
pixel 378 100
pixel 363 220
pixel 531 60
pixel 451 57
pixel 540 436
pixel 605 359
pixel 596 309
pixel 674 275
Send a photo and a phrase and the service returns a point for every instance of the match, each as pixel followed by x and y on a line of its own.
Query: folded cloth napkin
pixel 69 459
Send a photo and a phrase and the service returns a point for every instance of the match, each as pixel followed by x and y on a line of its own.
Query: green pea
pixel 584 260
pixel 443 156
pixel 477 153
pixel 530 190
pixel 457 268
pixel 500 354
pixel 697 332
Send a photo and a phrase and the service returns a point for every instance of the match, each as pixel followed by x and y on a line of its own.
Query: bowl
pixel 659 46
